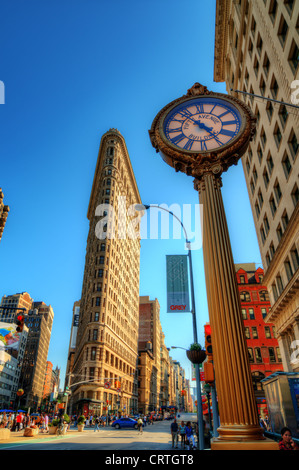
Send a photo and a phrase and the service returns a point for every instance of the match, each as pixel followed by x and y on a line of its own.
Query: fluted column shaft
pixel 237 407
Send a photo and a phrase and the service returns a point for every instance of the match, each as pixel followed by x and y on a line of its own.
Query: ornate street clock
pixel 202 130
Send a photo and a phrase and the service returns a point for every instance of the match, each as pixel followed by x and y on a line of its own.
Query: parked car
pixel 124 423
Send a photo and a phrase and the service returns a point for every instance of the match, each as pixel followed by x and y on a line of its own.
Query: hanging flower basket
pixel 195 354
pixel 20 392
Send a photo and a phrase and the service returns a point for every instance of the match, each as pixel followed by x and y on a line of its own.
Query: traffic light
pixel 208 342
pixel 20 323
pixel 208 366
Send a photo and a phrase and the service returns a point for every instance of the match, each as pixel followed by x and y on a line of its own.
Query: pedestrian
pixel 19 422
pixel 139 425
pixel 96 422
pixel 144 420
pixel 174 433
pixel 286 442
pixel 182 431
pixel 190 436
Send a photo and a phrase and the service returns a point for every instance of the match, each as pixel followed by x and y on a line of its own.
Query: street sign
pixel 107 384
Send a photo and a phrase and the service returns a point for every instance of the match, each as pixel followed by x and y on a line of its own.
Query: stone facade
pixel 105 360
pixel 256 53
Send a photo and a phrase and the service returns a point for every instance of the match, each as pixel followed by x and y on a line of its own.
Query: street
pixel 155 437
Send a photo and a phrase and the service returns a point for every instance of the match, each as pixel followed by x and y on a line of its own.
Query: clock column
pixel 239 427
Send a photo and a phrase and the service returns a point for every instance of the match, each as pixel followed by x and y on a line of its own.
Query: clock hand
pixel 203 126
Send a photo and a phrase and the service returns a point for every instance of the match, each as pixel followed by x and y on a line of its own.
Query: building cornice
pixel 221 38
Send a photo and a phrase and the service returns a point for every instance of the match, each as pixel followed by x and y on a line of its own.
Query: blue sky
pixel 73 69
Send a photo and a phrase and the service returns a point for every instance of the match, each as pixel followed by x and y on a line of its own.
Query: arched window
pixel 245 296
pixel 264 296
pixel 258 355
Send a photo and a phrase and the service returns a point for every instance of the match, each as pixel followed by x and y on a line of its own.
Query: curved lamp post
pixel 140 208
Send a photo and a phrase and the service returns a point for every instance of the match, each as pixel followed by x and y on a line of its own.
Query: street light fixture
pixel 140 208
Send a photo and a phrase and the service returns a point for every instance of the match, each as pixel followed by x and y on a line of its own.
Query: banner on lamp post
pixel 177 283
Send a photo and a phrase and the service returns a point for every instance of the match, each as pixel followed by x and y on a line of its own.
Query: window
pixel 282 30
pixel 272 357
pixel 96 316
pixel 254 332
pixel 256 66
pixel 293 144
pixel 288 268
pixel 270 110
pixel 289 4
pixel 259 153
pixel 259 44
pixel 277 135
pixel 242 279
pixel 250 354
pixel 245 296
pixel 98 301
pixel 273 10
pixel 286 165
pixel 279 284
pixel 264 312
pixel 260 198
pixel 257 209
pixel 295 258
pixel 279 232
pixel 258 356
pixel 100 273
pixel 277 191
pixel 251 314
pixel 266 64
pixel 267 332
pixel 270 163
pixel 272 205
pixel 295 195
pixel 93 354
pixel 283 115
pixel 266 178
pixel 95 335
pixel 262 86
pixel 266 224
pixel 294 57
pixel 274 87
pixel 244 313
pixel 272 250
pixel 247 332
pixel 285 219
pixel 275 292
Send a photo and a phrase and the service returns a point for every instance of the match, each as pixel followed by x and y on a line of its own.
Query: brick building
pixel 263 348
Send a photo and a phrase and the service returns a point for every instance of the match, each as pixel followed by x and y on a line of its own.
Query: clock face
pixel 202 124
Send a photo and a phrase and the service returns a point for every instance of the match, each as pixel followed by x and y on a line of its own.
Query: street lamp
pixel 140 208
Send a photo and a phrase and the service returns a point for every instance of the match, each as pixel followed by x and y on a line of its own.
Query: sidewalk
pixel 19 436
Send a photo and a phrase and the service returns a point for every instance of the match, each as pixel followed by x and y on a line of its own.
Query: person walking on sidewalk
pixel 139 425
pixel 96 424
pixel 174 433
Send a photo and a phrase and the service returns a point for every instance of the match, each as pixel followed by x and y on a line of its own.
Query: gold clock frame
pixel 193 163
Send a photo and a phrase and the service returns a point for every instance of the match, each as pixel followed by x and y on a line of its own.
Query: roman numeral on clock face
pixel 189 144
pixel 176 140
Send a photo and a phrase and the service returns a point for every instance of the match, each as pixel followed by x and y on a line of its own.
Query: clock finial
pixel 198 89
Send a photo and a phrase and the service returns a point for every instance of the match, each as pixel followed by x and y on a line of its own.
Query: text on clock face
pixel 202 127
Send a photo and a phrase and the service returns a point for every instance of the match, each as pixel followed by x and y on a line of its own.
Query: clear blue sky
pixel 72 70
